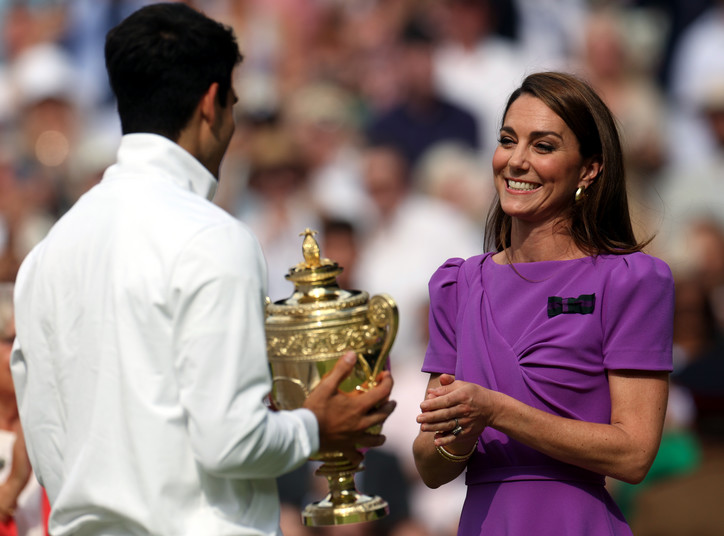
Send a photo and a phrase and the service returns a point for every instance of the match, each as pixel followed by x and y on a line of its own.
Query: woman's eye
pixel 505 141
pixel 544 147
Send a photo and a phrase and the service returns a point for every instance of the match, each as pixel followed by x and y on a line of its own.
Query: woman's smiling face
pixel 537 164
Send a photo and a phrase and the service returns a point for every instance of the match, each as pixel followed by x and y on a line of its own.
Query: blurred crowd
pixel 373 122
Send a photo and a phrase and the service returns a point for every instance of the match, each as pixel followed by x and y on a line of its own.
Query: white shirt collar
pixel 158 157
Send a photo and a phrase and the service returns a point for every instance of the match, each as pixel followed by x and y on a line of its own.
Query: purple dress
pixel 546 335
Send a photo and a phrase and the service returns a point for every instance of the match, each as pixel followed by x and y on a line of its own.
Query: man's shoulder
pixel 211 227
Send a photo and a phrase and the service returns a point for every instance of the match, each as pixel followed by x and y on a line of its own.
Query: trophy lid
pixel 315 279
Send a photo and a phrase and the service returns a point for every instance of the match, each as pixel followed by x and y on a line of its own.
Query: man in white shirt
pixel 140 358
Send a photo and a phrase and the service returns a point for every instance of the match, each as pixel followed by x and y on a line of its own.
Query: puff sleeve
pixel 441 354
pixel 637 315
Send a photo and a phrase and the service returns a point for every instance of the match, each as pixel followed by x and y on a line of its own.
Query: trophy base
pixel 363 509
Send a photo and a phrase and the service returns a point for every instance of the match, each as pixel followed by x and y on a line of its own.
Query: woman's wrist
pixel 453 456
pixel 502 410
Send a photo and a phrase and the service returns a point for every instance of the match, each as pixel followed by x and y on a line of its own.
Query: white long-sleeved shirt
pixel 140 360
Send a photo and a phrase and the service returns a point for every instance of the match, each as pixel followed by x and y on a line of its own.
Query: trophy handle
pixel 383 313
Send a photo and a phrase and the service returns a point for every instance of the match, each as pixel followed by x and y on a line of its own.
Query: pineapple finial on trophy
pixel 310 251
pixel 310 248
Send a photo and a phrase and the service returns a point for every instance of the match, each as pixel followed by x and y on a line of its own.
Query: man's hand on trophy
pixel 345 418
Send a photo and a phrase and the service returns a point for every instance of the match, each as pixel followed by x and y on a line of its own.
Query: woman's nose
pixel 518 158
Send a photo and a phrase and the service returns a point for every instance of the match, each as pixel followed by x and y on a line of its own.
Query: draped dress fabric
pixel 490 324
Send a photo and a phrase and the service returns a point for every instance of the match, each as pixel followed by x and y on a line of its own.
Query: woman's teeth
pixel 520 185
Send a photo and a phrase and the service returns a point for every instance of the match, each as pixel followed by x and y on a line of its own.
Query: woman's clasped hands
pixel 457 412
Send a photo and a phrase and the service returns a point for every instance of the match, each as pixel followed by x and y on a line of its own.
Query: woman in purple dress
pixel 548 357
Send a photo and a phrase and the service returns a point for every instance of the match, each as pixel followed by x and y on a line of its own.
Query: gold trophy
pixel 306 334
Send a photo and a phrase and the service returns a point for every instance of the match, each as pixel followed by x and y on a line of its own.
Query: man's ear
pixel 208 103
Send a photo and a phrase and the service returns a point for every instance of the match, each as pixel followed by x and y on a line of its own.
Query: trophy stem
pixel 344 504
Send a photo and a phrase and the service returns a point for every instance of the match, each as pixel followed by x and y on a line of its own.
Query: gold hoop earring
pixel 579 193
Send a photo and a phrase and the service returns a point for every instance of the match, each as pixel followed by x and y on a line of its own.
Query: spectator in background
pixel 678 16
pixel 473 66
pixel 49 121
pixel 274 37
pixel 27 24
pixel 340 243
pixel 694 190
pixel 695 64
pixel 453 173
pixel 550 32
pixel 323 123
pixel 20 494
pixel 48 125
pixel 696 329
pixel 422 118
pixel 14 212
pixel 704 260
pixel 275 203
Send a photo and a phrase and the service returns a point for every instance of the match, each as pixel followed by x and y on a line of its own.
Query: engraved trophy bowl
pixel 306 334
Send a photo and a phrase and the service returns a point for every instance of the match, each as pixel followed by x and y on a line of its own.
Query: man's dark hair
pixel 161 60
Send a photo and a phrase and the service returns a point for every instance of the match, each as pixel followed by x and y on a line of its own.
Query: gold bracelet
pixel 449 456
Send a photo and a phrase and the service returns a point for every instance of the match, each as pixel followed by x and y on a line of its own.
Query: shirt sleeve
pixel 41 426
pixel 441 354
pixel 637 315
pixel 221 361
